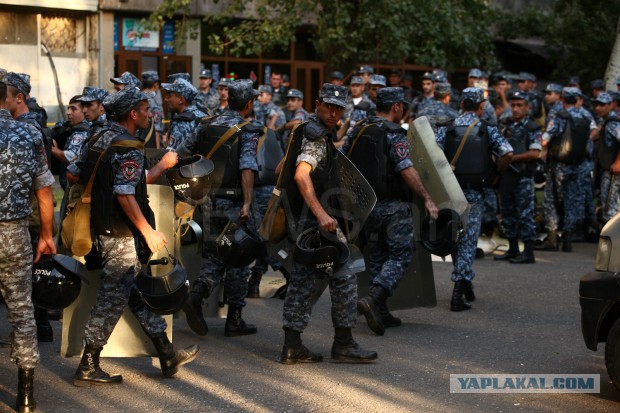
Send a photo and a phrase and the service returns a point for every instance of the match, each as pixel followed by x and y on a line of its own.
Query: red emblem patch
pixel 402 150
pixel 129 169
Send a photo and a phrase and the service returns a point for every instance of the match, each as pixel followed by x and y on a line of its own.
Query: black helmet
pixel 439 236
pixel 237 246
pixel 56 281
pixel 163 294
pixel 320 252
pixel 189 179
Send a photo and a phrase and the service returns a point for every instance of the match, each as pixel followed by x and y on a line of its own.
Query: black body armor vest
pixel 520 142
pixel 268 155
pixel 607 151
pixel 570 147
pixel 474 168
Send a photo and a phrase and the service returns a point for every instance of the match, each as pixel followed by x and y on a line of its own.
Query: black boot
pixel 346 350
pixel 169 358
pixel 25 391
pixel 281 292
pixel 469 291
pixel 45 334
pixel 458 303
pixel 567 245
pixel 527 256
pixel 89 373
pixel 513 250
pixel 193 309
pixel 387 318
pixel 235 325
pixel 253 285
pixel 550 244
pixel 294 352
pixel 368 307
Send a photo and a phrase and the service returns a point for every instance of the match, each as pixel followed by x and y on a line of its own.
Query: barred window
pixel 59 33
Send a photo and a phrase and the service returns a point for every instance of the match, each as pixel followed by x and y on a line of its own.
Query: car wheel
pixel 612 354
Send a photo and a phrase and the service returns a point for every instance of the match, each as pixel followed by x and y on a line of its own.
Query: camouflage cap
pixel 441 75
pixel 553 87
pixel 475 73
pixel 118 103
pixel 390 95
pixel 20 81
pixel 394 72
pixel 598 84
pixel 498 77
pixel 92 93
pixel 518 95
pixel 571 92
pixel 378 80
pixel 337 75
pixel 615 95
pixel 366 69
pixel 3 74
pixel 473 94
pixel 128 79
pixel 181 87
pixel 429 76
pixel 266 89
pixel 171 78
pixel 356 80
pixel 573 81
pixel 334 94
pixel 604 98
pixel 294 93
pixel 150 76
pixel 526 76
pixel 241 90
pixel 205 73
pixel 223 82
pixel 443 88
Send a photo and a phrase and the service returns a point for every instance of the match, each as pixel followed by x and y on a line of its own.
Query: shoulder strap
pixel 360 133
pixel 462 144
pixel 276 190
pixel 261 141
pixel 149 134
pixel 229 133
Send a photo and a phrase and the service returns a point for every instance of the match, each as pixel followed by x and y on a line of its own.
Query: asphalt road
pixel 526 321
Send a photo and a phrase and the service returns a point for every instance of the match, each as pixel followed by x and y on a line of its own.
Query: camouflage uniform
pixel 75 143
pixel 24 169
pixel 355 113
pixel 157 110
pixel 265 112
pixel 585 200
pixel 211 98
pixel 262 195
pixel 183 124
pixel 420 103
pixel 610 197
pixel 438 114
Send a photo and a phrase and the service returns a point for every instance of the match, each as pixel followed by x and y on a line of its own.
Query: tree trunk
pixel 613 67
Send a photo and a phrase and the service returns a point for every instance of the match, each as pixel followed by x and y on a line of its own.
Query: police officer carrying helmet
pixel 230 202
pixel 120 214
pixel 474 172
pixel 388 232
pixel 311 172
pixel 517 203
pixel 185 116
pixel 24 171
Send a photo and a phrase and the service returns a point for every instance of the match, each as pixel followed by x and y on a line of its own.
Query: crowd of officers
pixel 498 140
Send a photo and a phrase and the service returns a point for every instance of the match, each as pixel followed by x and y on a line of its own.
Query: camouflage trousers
pixel 117 289
pixel 303 284
pixel 16 288
pixel 262 194
pixel 388 235
pixel 610 195
pixel 518 210
pixel 213 271
pixel 466 247
pixel 562 182
pixel 585 198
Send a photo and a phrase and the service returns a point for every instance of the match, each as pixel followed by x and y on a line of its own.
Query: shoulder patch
pixel 129 169
pixel 402 150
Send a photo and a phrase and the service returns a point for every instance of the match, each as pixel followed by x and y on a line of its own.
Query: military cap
pixel 526 76
pixel 615 95
pixel 597 84
pixel 498 77
pixel 266 89
pixel 334 94
pixel 429 76
pixel 441 76
pixel 378 80
pixel 443 88
pixel 128 79
pixel 473 94
pixel 394 72
pixel 223 82
pixel 571 92
pixel 604 98
pixel 171 78
pixel 337 75
pixel 553 87
pixel 475 73
pixel 205 73
pixel 518 95
pixel 118 103
pixel 182 87
pixel 3 74
pixel 573 81
pixel 91 93
pixel 366 69
pixel 294 93
pixel 241 90
pixel 150 75
pixel 20 81
pixel 390 95
pixel 356 80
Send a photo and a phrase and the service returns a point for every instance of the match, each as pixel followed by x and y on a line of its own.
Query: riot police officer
pixel 438 112
pixel 474 172
pixel 185 116
pixel 358 106
pixel 127 79
pixel 92 107
pixel 608 158
pixel 150 87
pixel 206 89
pixel 388 232
pixel 120 214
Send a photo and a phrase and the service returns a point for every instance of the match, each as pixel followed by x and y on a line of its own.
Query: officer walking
pixel 474 173
pixel 185 116
pixel 388 232
pixel 313 172
pixel 230 202
pixel 608 156
pixel 120 214
pixel 24 171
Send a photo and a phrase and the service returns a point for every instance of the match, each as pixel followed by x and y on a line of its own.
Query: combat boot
pixel 567 245
pixel 513 250
pixel 294 352
pixel 193 309
pixel 550 244
pixel 346 350
pixel 458 303
pixel 170 359
pixel 89 373
pixel 253 285
pixel 526 257
pixel 469 291
pixel 368 307
pixel 25 391
pixel 235 325
pixel 388 319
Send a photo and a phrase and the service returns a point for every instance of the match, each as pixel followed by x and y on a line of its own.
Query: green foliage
pixel 184 25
